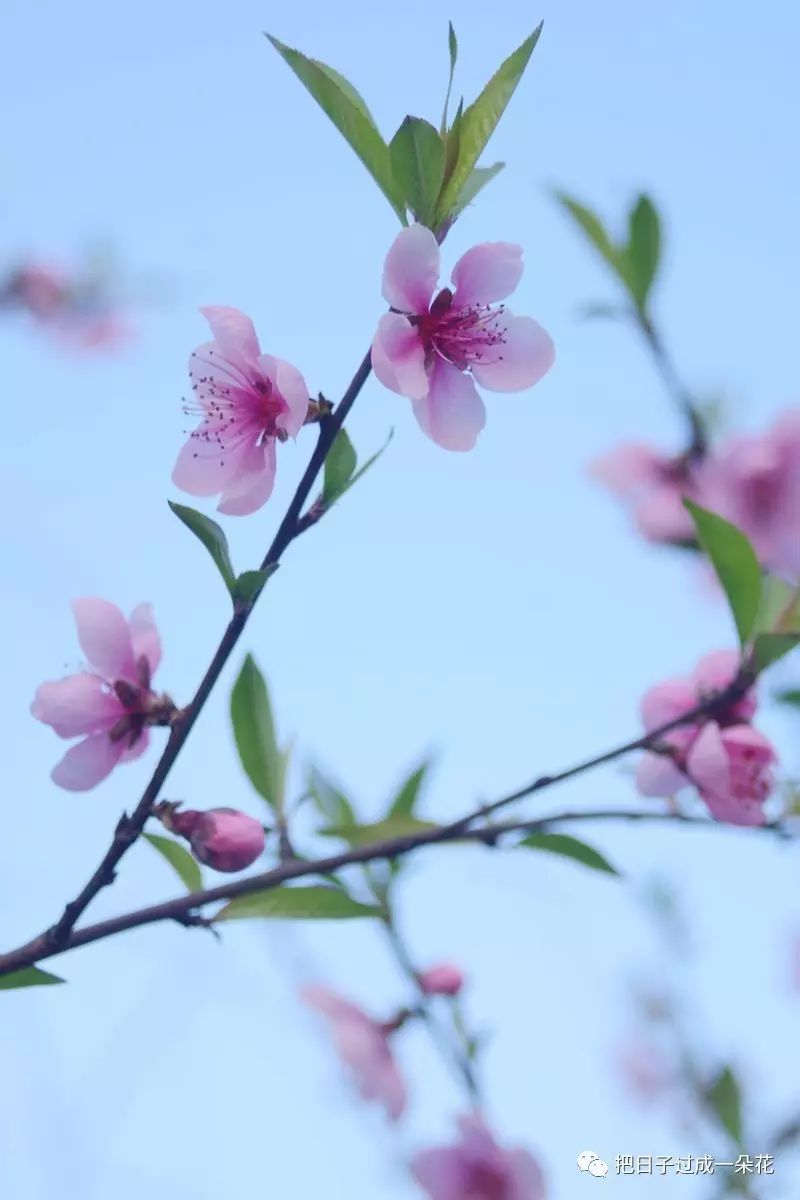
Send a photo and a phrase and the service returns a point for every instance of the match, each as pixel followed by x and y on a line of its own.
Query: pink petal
pixel 88 763
pixel 707 762
pixel 439 1172
pixel 203 468
pixel 661 516
pixel 486 273
pixel 526 355
pixel 657 776
pixel 105 638
pixel 255 484
pixel 330 1004
pixel 527 1179
pixel 717 670
pixel 292 387
pixel 666 701
pixel 452 413
pixel 628 468
pixel 76 705
pixel 233 332
pixel 213 373
pixel 145 636
pixel 411 270
pixel 131 753
pixel 398 357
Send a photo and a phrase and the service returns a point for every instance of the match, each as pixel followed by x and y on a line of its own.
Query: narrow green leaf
pixel 779 609
pixel 366 466
pixel 594 229
pixel 179 858
pixel 417 156
pixel 725 1098
pixel 249 583
pixel 254 731
pixel 298 903
pixel 644 248
pixel 769 647
pixel 734 560
pixel 569 847
pixel 480 121
pixel 28 977
pixel 405 801
pixel 396 825
pixel 452 142
pixel 452 43
pixel 340 464
pixel 476 182
pixel 212 537
pixel 331 803
pixel 342 104
pixel 788 696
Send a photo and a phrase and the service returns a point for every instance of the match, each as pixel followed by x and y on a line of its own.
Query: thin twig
pixel 687 405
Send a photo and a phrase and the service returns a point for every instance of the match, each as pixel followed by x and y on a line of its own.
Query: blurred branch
pixel 683 398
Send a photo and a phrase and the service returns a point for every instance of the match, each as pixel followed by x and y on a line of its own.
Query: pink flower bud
pixel 222 838
pixel 442 980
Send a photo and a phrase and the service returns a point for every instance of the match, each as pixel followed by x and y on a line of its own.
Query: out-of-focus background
pixel 493 609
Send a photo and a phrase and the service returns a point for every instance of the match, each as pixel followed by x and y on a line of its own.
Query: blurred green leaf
pixel 644 248
pixel 769 647
pixel 734 560
pixel 250 583
pixel 254 731
pixel 396 825
pixel 346 109
pixel 599 311
pixel 569 847
pixel 331 803
pixel 28 977
pixel 479 122
pixel 595 231
pixel 179 858
pixel 212 537
pixel 789 696
pixel 405 801
pixel 340 463
pixel 417 155
pixel 725 1099
pixel 316 903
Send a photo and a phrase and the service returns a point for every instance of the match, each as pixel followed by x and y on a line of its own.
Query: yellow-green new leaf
pixel 28 977
pixel 298 904
pixel 254 731
pixel 736 565
pixel 179 858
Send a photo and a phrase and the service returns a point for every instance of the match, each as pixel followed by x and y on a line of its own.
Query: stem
pixel 130 827
pixel 698 441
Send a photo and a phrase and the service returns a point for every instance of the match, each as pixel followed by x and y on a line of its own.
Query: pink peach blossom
pixel 645 1071
pixel 652 487
pixel 723 757
pixel 443 979
pixel 363 1046
pixel 111 703
pixel 477 1168
pixel 248 401
pixel 223 838
pixel 434 348
pixel 754 481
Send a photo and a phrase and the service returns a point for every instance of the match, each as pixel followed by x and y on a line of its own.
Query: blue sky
pixel 493 609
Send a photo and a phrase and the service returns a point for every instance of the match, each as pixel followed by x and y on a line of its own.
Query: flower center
pixel 462 336
pixel 235 405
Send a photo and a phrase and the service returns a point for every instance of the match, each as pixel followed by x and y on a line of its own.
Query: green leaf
pixel 179 858
pixel 372 459
pixel 249 583
pixel 452 43
pixel 348 112
pixel 569 847
pixel 406 798
pixel 331 803
pixel 417 154
pixel 340 463
pixel 396 825
pixel 212 537
pixel 480 120
pixel 724 1097
pixel 788 696
pixel 593 228
pixel 452 142
pixel 28 977
pixel 476 182
pixel 734 560
pixel 298 903
pixel 644 248
pixel 779 608
pixel 769 647
pixel 254 731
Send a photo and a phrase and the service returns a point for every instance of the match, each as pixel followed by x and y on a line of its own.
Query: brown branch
pixel 130 827
pixel 697 446
pixel 472 827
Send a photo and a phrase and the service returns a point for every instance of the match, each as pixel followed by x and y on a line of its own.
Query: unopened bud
pixel 222 838
pixel 441 980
